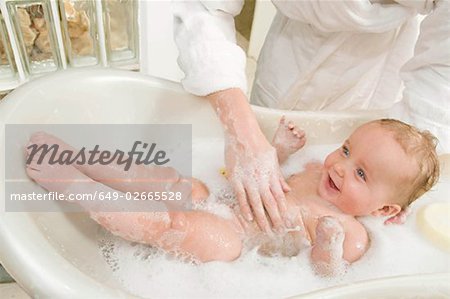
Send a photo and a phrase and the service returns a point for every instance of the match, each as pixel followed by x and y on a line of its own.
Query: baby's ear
pixel 387 210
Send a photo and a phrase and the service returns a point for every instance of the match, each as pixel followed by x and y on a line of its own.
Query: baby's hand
pixel 328 250
pixel 400 218
pixel 330 234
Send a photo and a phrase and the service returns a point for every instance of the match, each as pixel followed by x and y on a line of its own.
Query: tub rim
pixel 18 259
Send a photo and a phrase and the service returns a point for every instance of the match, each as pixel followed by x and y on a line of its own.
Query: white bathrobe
pixel 328 55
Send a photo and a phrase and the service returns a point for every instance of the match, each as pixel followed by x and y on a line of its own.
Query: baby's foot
pixel 41 138
pixel 69 181
pixel 288 139
pixel 52 177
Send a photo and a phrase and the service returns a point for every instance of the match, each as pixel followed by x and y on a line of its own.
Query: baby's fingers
pixel 400 218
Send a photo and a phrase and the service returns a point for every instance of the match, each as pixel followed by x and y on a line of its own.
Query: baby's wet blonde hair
pixel 421 145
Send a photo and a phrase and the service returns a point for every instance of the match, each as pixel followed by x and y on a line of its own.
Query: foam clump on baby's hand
pixel 330 237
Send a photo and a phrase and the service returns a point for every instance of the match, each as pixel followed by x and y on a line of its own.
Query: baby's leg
pixel 205 236
pixel 67 180
pixel 139 178
pixel 202 235
pixel 288 139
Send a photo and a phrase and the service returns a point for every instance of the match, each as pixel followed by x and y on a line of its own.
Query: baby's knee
pixel 213 238
pixel 199 191
pixel 178 220
pixel 233 249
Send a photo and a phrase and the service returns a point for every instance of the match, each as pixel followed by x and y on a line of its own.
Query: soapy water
pixel 151 273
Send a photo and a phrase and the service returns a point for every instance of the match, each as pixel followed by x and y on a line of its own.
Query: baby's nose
pixel 339 168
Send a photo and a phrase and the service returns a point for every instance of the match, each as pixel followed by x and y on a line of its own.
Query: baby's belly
pixel 287 242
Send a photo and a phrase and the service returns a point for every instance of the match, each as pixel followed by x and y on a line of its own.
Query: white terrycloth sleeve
pixel 353 16
pixel 426 98
pixel 205 35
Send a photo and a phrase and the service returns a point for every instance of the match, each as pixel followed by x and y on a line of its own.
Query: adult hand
pixel 251 161
pixel 257 180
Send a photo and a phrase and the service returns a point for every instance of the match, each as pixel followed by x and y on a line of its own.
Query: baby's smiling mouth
pixel 332 184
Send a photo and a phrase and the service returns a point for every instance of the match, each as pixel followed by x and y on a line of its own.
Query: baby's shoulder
pixel 313 165
pixel 356 240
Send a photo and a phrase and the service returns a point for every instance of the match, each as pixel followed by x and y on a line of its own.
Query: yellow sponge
pixel 434 222
pixel 223 171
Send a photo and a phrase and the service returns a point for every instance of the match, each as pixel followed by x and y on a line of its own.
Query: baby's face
pixel 363 175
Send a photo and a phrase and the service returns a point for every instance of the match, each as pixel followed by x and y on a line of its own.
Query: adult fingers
pixel 271 207
pixel 258 209
pixel 284 184
pixel 280 198
pixel 242 199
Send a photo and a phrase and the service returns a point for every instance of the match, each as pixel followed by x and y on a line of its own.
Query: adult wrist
pixel 236 116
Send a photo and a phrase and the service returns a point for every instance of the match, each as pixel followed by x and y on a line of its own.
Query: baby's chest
pixel 305 210
pixel 288 244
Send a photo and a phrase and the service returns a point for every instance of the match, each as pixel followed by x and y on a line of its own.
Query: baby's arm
pixel 287 140
pixel 336 246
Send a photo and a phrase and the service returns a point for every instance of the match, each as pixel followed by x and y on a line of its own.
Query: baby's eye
pixel 345 151
pixel 361 173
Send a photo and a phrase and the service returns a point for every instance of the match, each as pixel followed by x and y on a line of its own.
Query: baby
pixel 380 169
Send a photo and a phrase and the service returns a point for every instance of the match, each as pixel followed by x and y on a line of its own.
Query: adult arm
pixel 214 66
pixel 426 97
pixel 251 160
pixel 205 35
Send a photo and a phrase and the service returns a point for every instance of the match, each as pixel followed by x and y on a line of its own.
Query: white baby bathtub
pixel 56 255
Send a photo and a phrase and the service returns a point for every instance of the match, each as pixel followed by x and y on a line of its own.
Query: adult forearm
pixel 251 160
pixel 426 77
pixel 237 117
pixel 205 36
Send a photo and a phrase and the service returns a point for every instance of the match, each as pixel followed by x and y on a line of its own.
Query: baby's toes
pixel 33 171
pixel 29 148
pixel 33 155
pixel 300 138
pixel 291 125
pixel 300 132
pixel 39 138
pixel 35 163
pixel 32 166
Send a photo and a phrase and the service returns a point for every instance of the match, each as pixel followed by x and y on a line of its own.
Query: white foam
pixel 148 272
